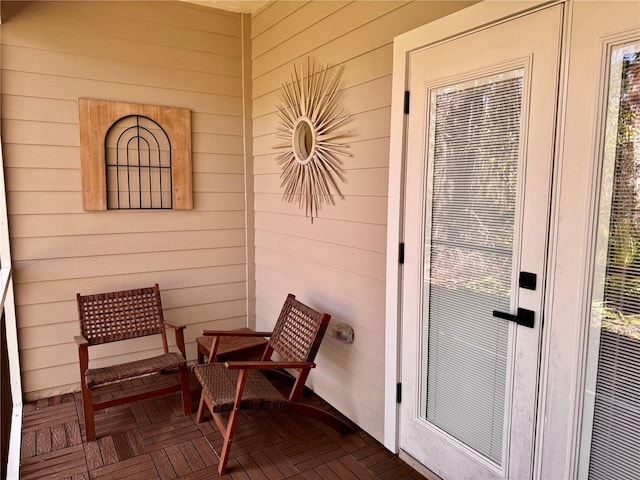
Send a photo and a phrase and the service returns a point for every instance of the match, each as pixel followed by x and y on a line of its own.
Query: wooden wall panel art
pixel 152 146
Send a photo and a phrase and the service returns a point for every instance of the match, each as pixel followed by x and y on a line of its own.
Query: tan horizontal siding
pixel 123 221
pixel 48 380
pixel 366 182
pixel 107 264
pixel 218 163
pixel 362 69
pixel 39 109
pixel 115 244
pixel 159 53
pixel 296 22
pixel 334 279
pixel 31 60
pixel 40 156
pixel 333 26
pixel 271 14
pixel 337 262
pixel 70 88
pixel 173 14
pixel 352 209
pixel 351 234
pixel 34 294
pixel 220 144
pixel 340 257
pixel 186 48
pixel 218 182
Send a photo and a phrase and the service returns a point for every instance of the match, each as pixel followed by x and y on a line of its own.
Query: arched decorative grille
pixel 138 164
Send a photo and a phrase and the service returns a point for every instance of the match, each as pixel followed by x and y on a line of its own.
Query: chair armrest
pixel 83 354
pixel 179 332
pixel 242 333
pixel 267 365
pixel 174 326
pixel 231 333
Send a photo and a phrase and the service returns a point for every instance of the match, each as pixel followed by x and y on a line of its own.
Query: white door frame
pixel 465 21
pixel 595 27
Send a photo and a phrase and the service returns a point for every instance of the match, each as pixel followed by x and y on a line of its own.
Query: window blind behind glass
pixel 615 440
pixel 474 146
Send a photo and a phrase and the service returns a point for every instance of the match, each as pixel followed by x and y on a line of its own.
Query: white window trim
pixel 7 303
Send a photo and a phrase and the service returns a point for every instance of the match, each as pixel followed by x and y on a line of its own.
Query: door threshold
pixel 417 466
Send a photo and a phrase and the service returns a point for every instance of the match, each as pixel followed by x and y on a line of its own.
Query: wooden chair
pixel 241 385
pixel 114 316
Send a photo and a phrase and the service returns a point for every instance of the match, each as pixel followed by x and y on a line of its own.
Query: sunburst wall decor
pixel 310 121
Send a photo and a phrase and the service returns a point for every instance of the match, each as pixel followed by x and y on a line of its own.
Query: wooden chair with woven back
pixel 122 315
pixel 233 386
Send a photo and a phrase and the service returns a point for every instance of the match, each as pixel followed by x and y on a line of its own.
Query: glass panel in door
pixel 474 141
pixel 611 438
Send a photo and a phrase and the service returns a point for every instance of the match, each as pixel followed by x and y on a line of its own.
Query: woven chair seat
pixel 167 361
pixel 219 384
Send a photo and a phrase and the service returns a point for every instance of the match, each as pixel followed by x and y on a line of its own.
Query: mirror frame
pixel 309 121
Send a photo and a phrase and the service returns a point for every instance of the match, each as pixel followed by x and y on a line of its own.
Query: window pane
pixel 474 143
pixel 611 439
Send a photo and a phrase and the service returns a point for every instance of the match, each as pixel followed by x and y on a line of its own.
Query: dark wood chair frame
pixel 233 347
pixel 226 386
pixel 121 315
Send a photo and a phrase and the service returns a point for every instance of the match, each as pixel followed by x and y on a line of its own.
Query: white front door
pixel 480 148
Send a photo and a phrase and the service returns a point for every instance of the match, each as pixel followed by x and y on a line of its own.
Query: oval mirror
pixel 303 140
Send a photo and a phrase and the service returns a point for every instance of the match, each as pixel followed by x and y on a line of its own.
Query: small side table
pixel 232 348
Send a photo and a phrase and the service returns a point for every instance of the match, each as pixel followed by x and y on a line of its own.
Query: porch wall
pixel 336 263
pixel 173 54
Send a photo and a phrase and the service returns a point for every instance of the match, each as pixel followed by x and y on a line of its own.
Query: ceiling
pixel 240 6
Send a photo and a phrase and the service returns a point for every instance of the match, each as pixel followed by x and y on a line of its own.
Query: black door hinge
pixel 398 393
pixel 406 102
pixel 401 254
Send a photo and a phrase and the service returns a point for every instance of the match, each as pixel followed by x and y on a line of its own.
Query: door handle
pixel 524 317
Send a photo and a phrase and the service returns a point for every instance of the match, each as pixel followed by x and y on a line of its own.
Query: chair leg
pixel 87 406
pixel 228 440
pixel 230 429
pixel 186 390
pixel 200 416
